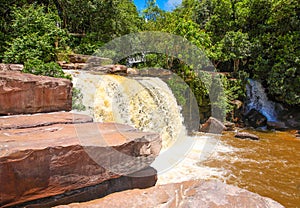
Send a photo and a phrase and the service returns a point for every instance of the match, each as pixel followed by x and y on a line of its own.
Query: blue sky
pixel 163 4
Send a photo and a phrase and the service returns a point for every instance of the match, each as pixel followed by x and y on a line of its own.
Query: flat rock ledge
pixel 60 156
pixel 195 193
pixel 22 93
pixel 42 119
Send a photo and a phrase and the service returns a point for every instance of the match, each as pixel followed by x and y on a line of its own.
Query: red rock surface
pixel 22 93
pixel 42 119
pixel 44 161
pixel 203 194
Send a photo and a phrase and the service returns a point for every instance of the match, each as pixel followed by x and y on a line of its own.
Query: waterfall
pixel 257 99
pixel 145 103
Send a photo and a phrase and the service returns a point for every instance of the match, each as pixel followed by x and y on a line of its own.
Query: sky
pixel 167 5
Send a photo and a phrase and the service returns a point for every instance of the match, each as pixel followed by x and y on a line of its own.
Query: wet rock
pixel 42 119
pixel 22 93
pixel 186 194
pixel 229 126
pixel 277 125
pixel 213 125
pixel 255 119
pixel 38 162
pixel 245 135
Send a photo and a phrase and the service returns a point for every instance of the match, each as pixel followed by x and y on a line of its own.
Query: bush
pixel 39 67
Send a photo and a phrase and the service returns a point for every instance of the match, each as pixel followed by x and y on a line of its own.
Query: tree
pixel 35 35
pixel 234 46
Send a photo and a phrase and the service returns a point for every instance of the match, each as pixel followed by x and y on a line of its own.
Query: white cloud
pixel 171 4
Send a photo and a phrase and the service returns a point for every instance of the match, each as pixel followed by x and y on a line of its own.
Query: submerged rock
pixel 186 194
pixel 245 135
pixel 213 125
pixel 47 160
pixel 22 93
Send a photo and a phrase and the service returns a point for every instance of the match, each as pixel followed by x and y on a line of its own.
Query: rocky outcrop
pixel 22 93
pixel 246 135
pixel 213 125
pixel 46 160
pixel 255 119
pixel 142 179
pixel 43 119
pixel 187 194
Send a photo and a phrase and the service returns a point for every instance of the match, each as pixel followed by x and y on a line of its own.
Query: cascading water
pixel 258 100
pixel 146 103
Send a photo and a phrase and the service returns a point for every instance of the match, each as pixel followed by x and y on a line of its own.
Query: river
pixel 269 167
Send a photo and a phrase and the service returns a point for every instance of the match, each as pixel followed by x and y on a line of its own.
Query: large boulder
pixel 255 119
pixel 22 93
pixel 51 159
pixel 186 194
pixel 213 125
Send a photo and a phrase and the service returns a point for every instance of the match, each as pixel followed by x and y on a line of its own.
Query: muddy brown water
pixel 269 167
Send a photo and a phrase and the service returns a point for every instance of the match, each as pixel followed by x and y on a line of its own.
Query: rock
pixel 80 65
pixel 213 125
pixel 195 193
pixel 277 125
pixel 43 119
pixel 132 71
pixel 229 126
pixel 39 162
pixel 78 58
pixel 245 135
pixel 22 93
pixel 116 68
pixel 11 67
pixel 68 66
pixel 142 179
pixel 255 119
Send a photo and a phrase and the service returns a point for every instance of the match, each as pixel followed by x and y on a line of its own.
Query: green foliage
pixel 38 67
pixel 34 35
